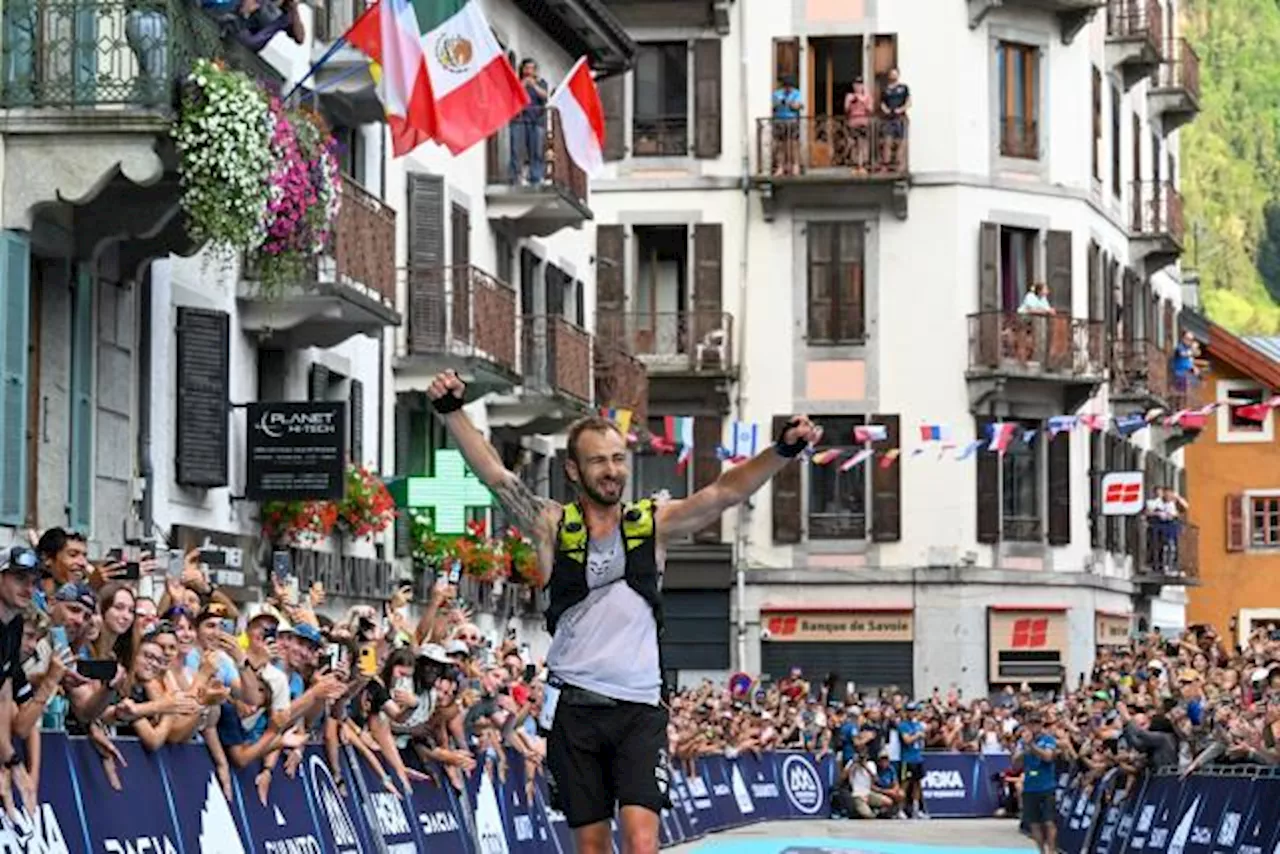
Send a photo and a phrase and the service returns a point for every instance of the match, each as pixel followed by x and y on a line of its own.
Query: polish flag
pixel 581 118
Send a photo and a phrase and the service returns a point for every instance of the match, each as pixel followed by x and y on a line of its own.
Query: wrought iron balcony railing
pixel 464 311
pixel 1165 549
pixel 85 54
pixel 1020 137
pixel 831 144
pixel 559 170
pixel 1036 345
pixel 555 355
pixel 663 136
pixel 692 341
pixel 363 245
pixel 1136 19
pixel 1139 368
pixel 1157 211
pixel 1181 69
pixel 622 381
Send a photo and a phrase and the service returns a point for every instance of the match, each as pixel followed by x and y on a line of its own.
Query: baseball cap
pixel 308 632
pixel 76 594
pixel 434 652
pixel 214 611
pixel 260 610
pixel 457 647
pixel 913 707
pixel 20 559
pixel 1189 674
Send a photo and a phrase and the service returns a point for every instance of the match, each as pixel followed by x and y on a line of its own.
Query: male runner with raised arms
pixel 601 561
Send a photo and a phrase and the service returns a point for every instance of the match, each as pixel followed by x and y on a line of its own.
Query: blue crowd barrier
pixel 962 785
pixel 172 803
pixel 1221 812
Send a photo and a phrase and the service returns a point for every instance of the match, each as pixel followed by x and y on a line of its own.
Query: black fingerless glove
pixel 792 450
pixel 449 403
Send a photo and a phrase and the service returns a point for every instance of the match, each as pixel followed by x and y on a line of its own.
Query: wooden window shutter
pixel 1058 264
pixel 707 107
pixel 1182 483
pixel 1059 464
pixel 987 488
pixel 886 486
pixel 706 468
pixel 1111 523
pixel 613 101
pixel 204 408
pixel 403 441
pixel 355 408
pixel 1170 326
pixel 1095 491
pixel 989 267
pixel 708 282
pixel 786 495
pixel 318 382
pixel 1096 310
pixel 80 494
pixel 1133 530
pixel 427 327
pixel 1097 123
pixel 1235 523
pixel 786 60
pixel 611 289
pixel 15 294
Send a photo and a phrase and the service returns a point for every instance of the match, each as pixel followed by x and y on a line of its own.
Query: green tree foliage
pixel 1231 161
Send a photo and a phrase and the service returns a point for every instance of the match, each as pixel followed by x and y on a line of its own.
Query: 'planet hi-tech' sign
pixel 448 493
pixel 296 451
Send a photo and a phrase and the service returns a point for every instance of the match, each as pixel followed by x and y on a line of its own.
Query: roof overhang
pixel 1231 349
pixel 585 27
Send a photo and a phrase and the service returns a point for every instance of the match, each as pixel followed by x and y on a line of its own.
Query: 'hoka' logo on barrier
pixel 943 780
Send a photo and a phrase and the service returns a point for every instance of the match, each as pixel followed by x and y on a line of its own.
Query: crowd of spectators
pixel 87 652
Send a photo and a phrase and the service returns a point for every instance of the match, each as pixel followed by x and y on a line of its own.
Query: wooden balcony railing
pixel 1046 345
pixel 622 381
pixel 825 144
pixel 1139 368
pixel 1136 19
pixel 690 341
pixel 462 310
pixel 559 169
pixel 664 136
pixel 1020 137
pixel 363 244
pixel 1157 211
pixel 556 355
pixel 1181 69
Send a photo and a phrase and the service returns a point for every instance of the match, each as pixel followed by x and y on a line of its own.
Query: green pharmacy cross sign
pixel 448 494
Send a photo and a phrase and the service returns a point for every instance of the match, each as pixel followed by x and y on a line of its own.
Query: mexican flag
pixel 474 90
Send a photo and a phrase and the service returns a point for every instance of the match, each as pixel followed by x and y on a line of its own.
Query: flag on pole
pixel 387 32
pixel 474 89
pixel 581 118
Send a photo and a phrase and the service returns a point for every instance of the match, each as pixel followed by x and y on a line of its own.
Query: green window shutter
pixel 80 488
pixel 15 287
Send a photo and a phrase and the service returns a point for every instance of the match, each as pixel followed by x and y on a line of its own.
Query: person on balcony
pixel 787 107
pixel 1164 526
pixel 529 130
pixel 1030 332
pixel 255 22
pixel 1187 364
pixel 857 113
pixel 895 100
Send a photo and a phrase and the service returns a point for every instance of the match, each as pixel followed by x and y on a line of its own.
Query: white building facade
pixel 870 273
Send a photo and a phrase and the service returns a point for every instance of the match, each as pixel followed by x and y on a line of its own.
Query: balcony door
pixel 661 289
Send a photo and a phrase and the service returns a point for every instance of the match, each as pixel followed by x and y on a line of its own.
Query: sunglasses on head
pixel 177 611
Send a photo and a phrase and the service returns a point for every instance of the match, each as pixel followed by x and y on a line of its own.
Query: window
pixel 660 123
pixel 1019 256
pixel 838 499
pixel 1020 489
pixel 661 288
pixel 1018 69
pixel 1115 140
pixel 1231 425
pixel 837 62
pixel 836 252
pixel 658 472
pixel 1097 124
pixel 351 154
pixel 1264 522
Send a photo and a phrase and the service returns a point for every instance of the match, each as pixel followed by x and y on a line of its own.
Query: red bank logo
pixel 1122 493
pixel 1030 633
pixel 782 626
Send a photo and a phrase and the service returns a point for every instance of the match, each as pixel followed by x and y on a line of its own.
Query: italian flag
pixel 581 118
pixel 474 90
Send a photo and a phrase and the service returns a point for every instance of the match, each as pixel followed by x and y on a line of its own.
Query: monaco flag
pixel 581 118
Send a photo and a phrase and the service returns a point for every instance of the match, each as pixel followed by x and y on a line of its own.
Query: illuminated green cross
pixel 448 493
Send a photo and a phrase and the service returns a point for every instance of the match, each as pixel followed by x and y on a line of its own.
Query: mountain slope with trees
pixel 1231 162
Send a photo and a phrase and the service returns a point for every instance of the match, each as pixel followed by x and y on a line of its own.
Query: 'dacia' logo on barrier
pixel 38 834
pixel 801 783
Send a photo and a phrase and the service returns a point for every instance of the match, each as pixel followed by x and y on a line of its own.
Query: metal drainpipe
pixel 741 535
pixel 145 466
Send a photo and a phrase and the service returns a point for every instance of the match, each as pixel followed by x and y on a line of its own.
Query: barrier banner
pixel 343 827
pixel 960 785
pixel 282 821
pixel 806 784
pixel 139 816
pixel 1078 808
pixel 523 820
pixel 708 817
pixel 733 805
pixel 439 815
pixel 388 812
pixel 205 818
pixel 556 823
pixel 57 827
pixel 687 812
pixel 761 774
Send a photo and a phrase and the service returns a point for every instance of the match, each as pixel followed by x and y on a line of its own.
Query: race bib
pixel 550 699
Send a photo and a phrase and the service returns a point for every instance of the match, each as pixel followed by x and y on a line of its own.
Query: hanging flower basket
pixel 368 507
pixel 223 137
pixel 522 558
pixel 298 522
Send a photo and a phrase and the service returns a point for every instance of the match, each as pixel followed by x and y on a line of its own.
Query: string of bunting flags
pixel 744 440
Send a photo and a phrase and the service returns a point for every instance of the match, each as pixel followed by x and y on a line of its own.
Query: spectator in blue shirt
pixel 911 734
pixel 787 107
pixel 886 783
pixel 1037 757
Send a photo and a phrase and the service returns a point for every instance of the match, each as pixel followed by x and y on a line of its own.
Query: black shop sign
pixel 296 451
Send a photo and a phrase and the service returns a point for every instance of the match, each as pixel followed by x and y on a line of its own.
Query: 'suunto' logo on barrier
pixel 801 783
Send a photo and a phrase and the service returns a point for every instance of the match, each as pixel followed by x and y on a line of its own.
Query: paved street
pixel 970 836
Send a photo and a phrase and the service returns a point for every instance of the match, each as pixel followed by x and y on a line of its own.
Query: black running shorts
pixel 601 756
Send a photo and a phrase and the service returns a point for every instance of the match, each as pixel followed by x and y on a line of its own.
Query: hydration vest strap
pixel 637 528
pixel 637 523
pixel 573 534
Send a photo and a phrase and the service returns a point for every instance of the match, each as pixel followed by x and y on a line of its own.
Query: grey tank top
pixel 608 642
